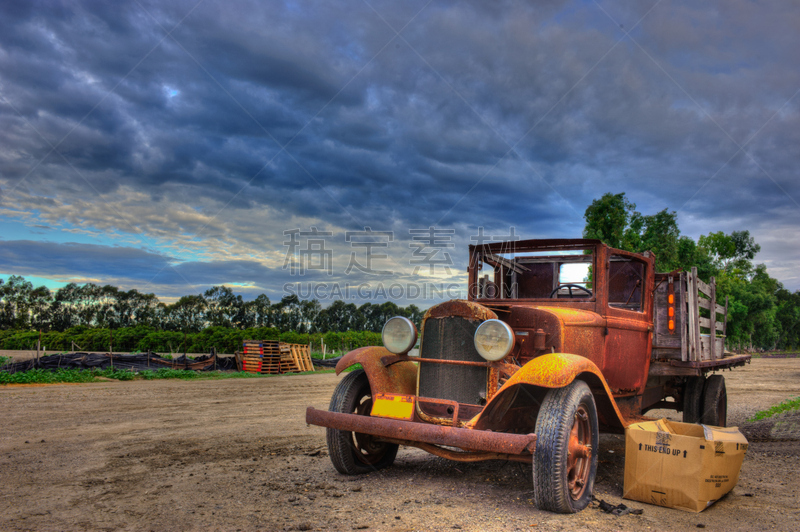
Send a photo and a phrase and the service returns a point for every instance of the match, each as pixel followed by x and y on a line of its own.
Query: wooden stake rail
pixel 273 357
pixel 694 338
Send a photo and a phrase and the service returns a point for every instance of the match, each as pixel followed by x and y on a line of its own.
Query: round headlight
pixel 494 340
pixel 399 335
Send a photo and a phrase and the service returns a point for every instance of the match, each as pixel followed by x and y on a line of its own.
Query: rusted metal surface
pixel 389 360
pixel 450 408
pixel 557 370
pixel 466 439
pixel 400 378
pixel 461 308
pixel 579 455
pixel 539 340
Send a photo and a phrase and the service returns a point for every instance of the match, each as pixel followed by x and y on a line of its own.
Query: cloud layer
pixel 193 135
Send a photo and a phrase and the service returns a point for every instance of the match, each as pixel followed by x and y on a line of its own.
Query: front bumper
pixel 393 429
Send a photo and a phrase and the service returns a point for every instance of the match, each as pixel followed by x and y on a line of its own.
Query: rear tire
pixel 715 402
pixel 354 453
pixel 565 461
pixel 693 399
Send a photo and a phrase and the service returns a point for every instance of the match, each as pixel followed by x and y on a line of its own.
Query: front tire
pixel 353 453
pixel 565 461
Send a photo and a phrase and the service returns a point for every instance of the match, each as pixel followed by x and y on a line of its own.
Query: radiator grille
pixel 451 339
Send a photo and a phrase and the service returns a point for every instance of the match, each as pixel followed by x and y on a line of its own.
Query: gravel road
pixel 237 455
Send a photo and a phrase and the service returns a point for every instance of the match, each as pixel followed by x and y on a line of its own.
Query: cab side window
pixel 626 283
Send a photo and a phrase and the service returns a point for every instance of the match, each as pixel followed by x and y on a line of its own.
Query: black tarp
pixel 136 362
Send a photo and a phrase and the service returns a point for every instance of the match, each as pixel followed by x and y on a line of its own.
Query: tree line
pixel 762 314
pixel 23 307
pixel 144 338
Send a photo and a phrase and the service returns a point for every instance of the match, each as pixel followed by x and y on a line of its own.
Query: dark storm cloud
pixel 27 257
pixel 128 267
pixel 515 114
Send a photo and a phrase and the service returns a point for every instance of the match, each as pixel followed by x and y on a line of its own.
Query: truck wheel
pixel 353 453
pixel 715 402
pixel 693 399
pixel 565 461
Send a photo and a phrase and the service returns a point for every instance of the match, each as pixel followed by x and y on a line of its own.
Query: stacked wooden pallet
pixel 261 356
pixel 273 357
pixel 295 358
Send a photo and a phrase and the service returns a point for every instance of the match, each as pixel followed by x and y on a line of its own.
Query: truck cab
pixel 557 341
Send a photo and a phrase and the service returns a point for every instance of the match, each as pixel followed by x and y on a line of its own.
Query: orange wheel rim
pixel 579 457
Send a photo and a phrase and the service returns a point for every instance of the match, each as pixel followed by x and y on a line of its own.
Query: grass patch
pixel 168 373
pixel 4 360
pixel 788 405
pixel 43 376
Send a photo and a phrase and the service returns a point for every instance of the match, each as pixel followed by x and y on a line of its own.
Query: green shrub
pixel 37 376
pixel 788 405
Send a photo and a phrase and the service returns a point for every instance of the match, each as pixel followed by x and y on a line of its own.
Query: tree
pixel 263 311
pixel 752 308
pixel 788 315
pixel 187 314
pixel 287 313
pixel 689 254
pixel 224 308
pixel 39 305
pixel 15 303
pixel 659 233
pixel 415 315
pixel 607 219
pixel 732 253
pixel 309 310
pixel 615 221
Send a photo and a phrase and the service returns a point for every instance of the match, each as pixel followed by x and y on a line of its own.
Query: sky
pixel 307 147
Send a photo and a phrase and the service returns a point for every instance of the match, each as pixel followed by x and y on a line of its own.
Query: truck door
pixel 627 356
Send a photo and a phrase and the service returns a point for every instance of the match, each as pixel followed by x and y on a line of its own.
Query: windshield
pixel 535 275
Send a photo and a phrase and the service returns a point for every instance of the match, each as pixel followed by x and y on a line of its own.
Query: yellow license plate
pixel 393 406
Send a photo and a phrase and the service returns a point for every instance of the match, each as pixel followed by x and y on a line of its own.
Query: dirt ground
pixel 237 455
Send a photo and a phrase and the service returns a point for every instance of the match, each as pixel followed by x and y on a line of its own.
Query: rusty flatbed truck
pixel 558 340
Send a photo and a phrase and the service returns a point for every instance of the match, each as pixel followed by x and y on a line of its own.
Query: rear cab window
pixel 564 275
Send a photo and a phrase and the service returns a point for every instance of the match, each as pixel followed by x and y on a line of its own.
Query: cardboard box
pixel 681 465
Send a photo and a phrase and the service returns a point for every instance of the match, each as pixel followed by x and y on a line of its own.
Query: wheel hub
pixel 579 451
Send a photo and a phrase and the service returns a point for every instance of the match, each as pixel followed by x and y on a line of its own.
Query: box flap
pixel 730 434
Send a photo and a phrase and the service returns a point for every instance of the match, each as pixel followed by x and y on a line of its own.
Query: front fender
pixel 528 385
pixel 554 370
pixel 400 377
